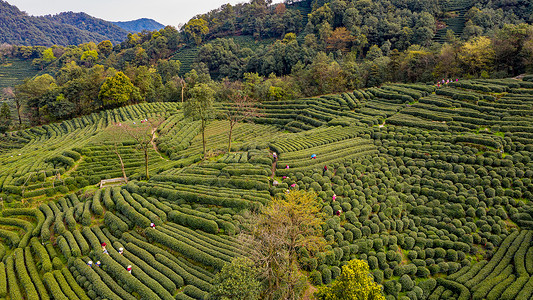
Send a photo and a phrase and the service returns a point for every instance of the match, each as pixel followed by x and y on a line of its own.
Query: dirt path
pixel 274 168
pixel 309 292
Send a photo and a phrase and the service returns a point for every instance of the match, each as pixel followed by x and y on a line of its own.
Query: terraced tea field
pixel 432 187
pixel 14 71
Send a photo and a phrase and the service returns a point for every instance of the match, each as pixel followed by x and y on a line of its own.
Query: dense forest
pixel 18 28
pixel 284 51
pixel 139 25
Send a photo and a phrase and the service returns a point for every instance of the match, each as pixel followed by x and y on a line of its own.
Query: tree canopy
pixel 117 90
pixel 355 282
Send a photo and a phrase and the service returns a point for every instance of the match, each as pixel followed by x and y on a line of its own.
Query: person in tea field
pixel 313 156
pixel 275 156
pixel 129 269
pixel 334 197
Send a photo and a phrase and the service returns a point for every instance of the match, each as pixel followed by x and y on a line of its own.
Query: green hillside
pixel 433 190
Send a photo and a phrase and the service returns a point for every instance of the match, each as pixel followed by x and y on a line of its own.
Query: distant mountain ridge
pixel 67 28
pixel 139 25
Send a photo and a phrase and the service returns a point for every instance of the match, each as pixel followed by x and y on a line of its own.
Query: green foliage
pixel 237 280
pixel 3 280
pixel 354 282
pixel 196 29
pixel 195 222
pixel 117 91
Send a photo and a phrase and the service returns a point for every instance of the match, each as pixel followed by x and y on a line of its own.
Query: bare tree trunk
pixel 231 124
pixel 121 164
pixel 17 104
pixel 203 136
pixel 146 162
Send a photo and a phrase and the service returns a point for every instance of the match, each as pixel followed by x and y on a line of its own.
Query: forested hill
pixel 85 22
pixel 16 27
pixel 140 25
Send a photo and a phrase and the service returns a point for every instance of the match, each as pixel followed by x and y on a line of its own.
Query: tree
pixel 196 29
pixel 89 57
pixel 508 44
pixel 114 134
pixel 8 93
pixel 242 108
pixel 340 39
pixel 353 283
pixel 200 106
pixel 47 56
pixel 290 222
pixel 237 280
pixel 168 69
pixel 5 117
pixel 447 64
pixel 143 134
pixel 116 91
pixel 477 55
pixel 30 92
pixel 105 47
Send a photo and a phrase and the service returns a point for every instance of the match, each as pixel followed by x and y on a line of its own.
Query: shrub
pixel 149 259
pixel 65 287
pixel 115 224
pixel 406 282
pixel 427 286
pixel 315 277
pixel 326 276
pixel 96 206
pixel 73 284
pixel 514 288
pixel 24 277
pixel 195 222
pixel 14 290
pixel 183 248
pixel 42 254
pixel 392 287
pixel 194 292
pixel 3 280
pixel 53 286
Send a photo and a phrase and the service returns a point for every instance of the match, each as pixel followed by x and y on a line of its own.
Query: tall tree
pixel 242 108
pixel 5 117
pixel 143 134
pixel 289 222
pixel 105 47
pixel 340 39
pixel 477 55
pixel 353 283
pixel 117 90
pixel 30 92
pixel 196 29
pixel 200 106
pixel 10 94
pixel 114 138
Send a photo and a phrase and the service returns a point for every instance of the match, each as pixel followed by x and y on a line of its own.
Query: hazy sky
pixel 166 12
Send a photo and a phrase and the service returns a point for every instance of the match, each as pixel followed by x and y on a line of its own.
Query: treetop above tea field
pixel 427 188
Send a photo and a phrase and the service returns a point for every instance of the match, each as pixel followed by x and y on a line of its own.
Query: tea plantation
pixel 433 188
